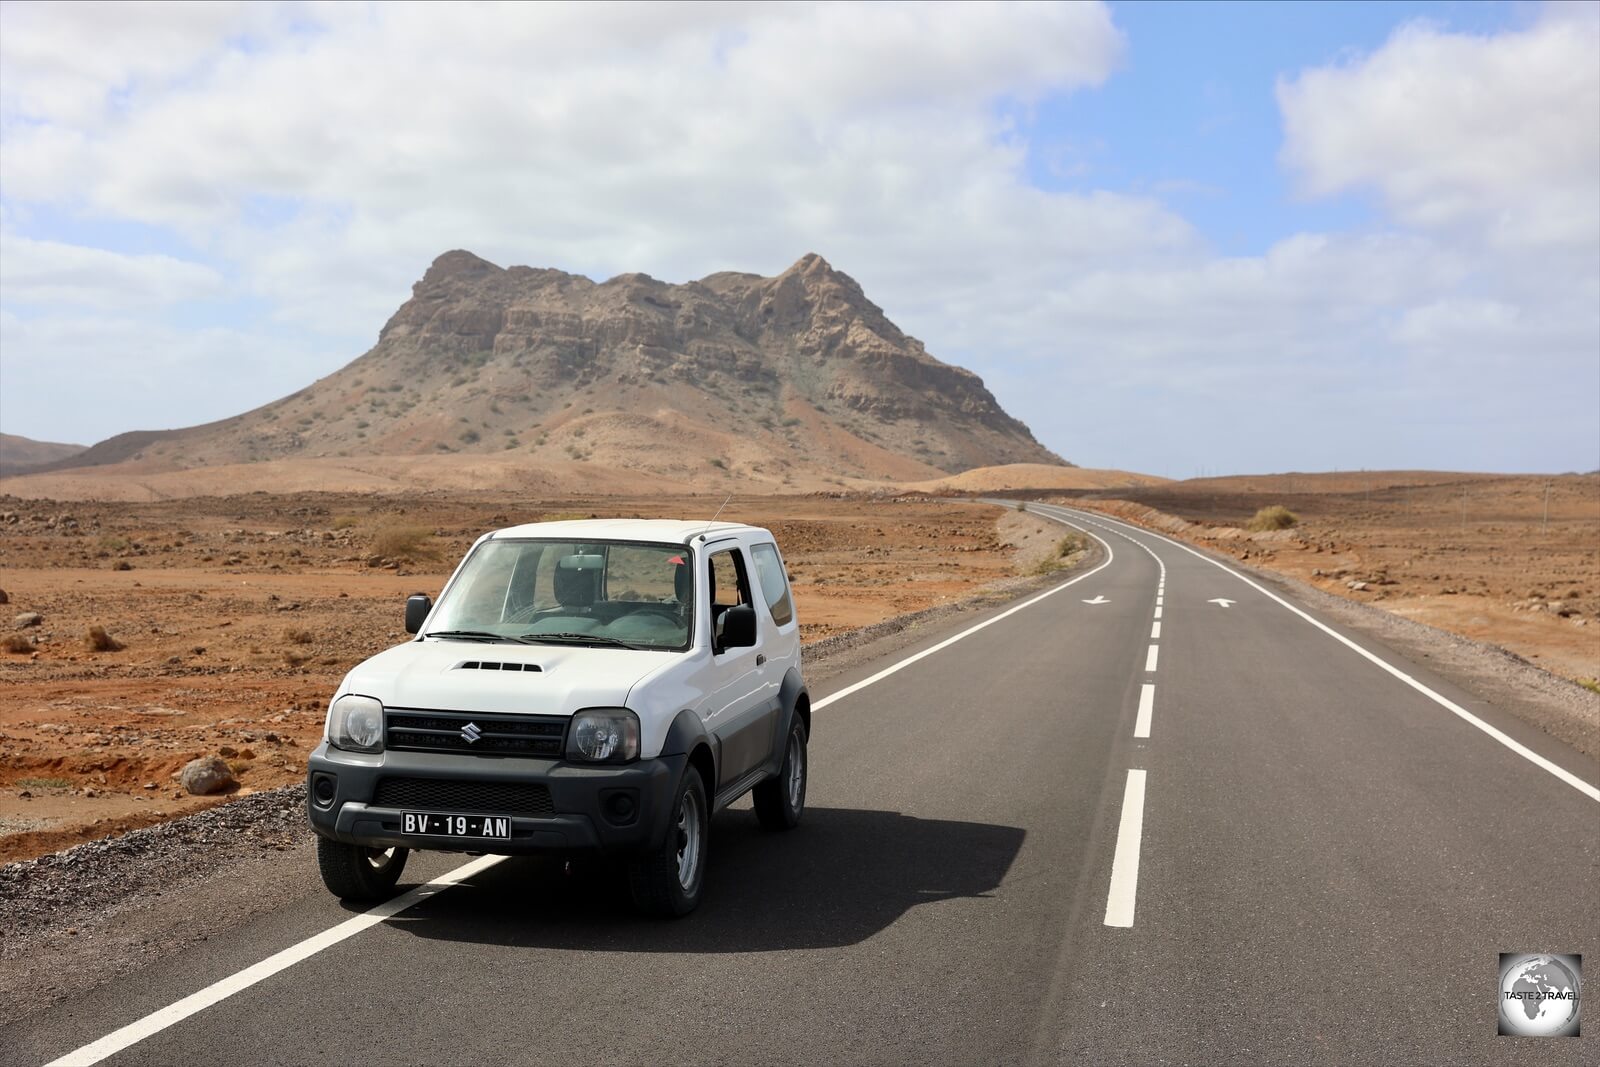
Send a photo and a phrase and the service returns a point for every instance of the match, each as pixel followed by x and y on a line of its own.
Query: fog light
pixel 621 808
pixel 323 789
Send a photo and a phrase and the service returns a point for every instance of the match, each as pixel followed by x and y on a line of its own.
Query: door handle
pixel 761 659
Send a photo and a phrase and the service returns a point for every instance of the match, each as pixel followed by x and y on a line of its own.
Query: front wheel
pixel 668 881
pixel 355 872
pixel 781 801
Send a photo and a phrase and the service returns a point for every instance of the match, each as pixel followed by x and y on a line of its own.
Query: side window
pixel 729 586
pixel 774 583
pixel 728 583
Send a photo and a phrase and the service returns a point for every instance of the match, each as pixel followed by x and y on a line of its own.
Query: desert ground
pixel 1473 554
pixel 237 616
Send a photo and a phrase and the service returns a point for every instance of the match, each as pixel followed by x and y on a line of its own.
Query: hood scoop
pixel 490 665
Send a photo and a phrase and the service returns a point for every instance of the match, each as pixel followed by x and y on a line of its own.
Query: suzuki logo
pixel 471 732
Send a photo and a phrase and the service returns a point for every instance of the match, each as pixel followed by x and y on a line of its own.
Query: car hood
pixel 522 679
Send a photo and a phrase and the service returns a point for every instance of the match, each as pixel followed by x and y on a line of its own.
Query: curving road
pixel 1159 814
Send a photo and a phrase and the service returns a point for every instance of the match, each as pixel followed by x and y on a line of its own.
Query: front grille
pixel 487 735
pixel 491 798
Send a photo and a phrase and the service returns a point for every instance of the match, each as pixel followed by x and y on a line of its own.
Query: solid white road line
pixel 1588 789
pixel 964 634
pixel 1150 658
pixel 173 1013
pixel 1147 705
pixel 1155 630
pixel 221 990
pixel 1125 865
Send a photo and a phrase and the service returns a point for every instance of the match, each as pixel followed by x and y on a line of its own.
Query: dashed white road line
pixel 1155 630
pixel 1158 607
pixel 1147 706
pixel 1150 659
pixel 1125 864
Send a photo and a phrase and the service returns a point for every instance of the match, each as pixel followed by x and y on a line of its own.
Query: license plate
pixel 477 827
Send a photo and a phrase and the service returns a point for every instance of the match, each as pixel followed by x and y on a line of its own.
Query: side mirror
pixel 738 627
pixel 417 607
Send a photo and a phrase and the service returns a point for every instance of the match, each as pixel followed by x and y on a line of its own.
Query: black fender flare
pixel 688 733
pixel 790 695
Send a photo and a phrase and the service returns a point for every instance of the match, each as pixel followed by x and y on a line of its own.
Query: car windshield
pixel 605 593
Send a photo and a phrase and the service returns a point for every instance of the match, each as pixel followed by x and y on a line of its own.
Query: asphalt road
pixel 1304 859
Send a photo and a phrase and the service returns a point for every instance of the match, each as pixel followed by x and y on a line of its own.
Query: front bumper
pixel 583 798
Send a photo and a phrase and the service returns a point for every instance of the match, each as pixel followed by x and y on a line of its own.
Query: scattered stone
pixel 207 775
pixel 227 752
pixel 150 785
pixel 27 619
pixel 4 599
pixel 1356 586
pixel 122 565
pixel 97 640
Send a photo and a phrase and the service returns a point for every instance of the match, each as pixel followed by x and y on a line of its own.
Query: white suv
pixel 604 685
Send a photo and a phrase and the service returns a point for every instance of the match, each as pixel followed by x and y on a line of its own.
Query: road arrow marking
pixel 1223 601
pixel 1098 599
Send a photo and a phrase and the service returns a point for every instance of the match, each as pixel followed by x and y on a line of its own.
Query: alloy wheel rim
pixel 689 842
pixel 797 771
pixel 378 859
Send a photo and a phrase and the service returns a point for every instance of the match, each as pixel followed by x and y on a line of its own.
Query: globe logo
pixel 1540 996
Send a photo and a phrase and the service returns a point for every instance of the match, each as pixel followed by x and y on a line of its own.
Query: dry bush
pixel 407 541
pixel 16 643
pixel 345 522
pixel 1276 517
pixel 95 639
pixel 299 637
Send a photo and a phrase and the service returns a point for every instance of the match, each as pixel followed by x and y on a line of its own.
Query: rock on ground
pixel 207 775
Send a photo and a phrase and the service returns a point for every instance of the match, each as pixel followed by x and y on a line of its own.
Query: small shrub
pixel 718 462
pixel 1068 545
pixel 298 637
pixel 16 644
pixel 409 541
pixel 1591 684
pixel 1022 506
pixel 468 437
pixel 45 783
pixel 345 522
pixel 95 639
pixel 1276 517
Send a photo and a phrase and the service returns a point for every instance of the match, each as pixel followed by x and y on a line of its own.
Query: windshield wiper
pixel 584 639
pixel 474 635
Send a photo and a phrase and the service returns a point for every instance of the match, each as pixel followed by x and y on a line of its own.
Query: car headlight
pixel 355 724
pixel 604 735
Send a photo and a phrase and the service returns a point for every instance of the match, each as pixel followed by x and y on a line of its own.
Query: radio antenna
pixel 714 518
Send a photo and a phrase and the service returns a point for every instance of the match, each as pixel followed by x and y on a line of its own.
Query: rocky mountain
pixel 18 454
pixel 782 380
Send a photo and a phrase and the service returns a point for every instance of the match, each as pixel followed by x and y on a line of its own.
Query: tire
pixel 668 881
pixel 355 872
pixel 780 801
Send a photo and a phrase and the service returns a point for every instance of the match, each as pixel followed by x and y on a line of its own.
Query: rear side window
pixel 774 583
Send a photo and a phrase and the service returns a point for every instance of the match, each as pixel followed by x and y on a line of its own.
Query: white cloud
pixel 323 155
pixel 49 272
pixel 1496 134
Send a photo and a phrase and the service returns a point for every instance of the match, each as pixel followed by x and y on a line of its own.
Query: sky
pixel 1181 239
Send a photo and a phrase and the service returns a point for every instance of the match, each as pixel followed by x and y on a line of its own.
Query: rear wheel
pixel 355 872
pixel 781 801
pixel 668 881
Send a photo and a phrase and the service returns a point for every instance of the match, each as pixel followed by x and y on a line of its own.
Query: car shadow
pixel 838 878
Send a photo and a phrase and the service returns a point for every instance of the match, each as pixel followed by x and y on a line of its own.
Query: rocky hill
pixel 784 380
pixel 18 454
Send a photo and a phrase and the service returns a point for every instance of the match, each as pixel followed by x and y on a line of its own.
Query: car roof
pixel 663 531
